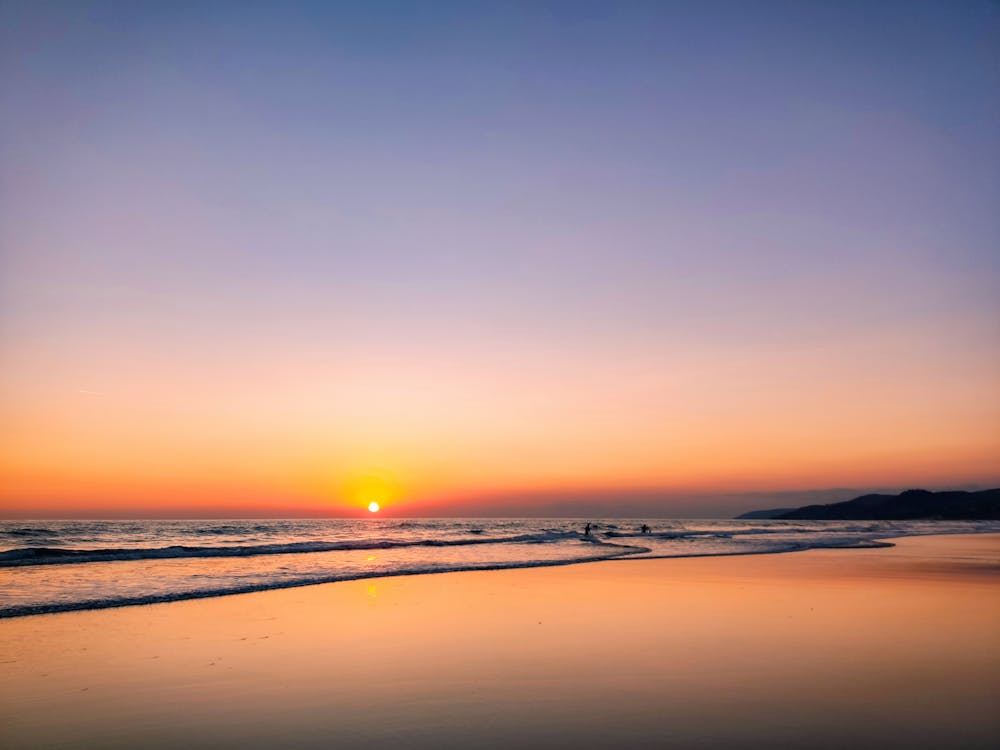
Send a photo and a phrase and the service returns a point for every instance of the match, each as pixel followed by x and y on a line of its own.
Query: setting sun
pixel 373 489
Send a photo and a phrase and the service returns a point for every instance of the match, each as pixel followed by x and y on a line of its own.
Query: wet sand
pixel 895 647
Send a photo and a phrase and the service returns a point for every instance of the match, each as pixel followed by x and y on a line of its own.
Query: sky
pixel 612 258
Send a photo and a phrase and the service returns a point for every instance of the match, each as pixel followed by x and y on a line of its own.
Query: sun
pixel 373 489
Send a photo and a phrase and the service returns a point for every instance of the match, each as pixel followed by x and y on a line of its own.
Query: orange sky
pixel 155 433
pixel 504 259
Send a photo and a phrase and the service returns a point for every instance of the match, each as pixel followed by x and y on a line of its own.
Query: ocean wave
pixel 28 532
pixel 23 556
pixel 219 557
pixel 612 551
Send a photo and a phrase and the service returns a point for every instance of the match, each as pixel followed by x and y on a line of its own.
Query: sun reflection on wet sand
pixel 827 648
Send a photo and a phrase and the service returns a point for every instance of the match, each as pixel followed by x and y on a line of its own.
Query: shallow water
pixel 828 649
pixel 52 566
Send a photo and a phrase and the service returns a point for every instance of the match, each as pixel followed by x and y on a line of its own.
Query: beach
pixel 890 647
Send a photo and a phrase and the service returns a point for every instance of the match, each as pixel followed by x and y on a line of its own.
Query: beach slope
pixel 892 647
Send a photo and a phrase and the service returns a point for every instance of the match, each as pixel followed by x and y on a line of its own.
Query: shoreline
pixel 882 647
pixel 17 612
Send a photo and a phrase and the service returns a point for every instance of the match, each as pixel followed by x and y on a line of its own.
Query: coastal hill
pixel 906 506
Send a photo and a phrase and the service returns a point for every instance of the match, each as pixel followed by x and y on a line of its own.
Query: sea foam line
pixel 124 601
pixel 23 556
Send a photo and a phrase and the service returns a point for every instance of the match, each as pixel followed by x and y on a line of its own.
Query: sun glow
pixel 373 489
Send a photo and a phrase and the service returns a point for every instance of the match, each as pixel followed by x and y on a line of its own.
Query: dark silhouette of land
pixel 907 506
pixel 772 513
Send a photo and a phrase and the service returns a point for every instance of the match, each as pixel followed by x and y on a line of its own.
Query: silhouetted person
pixel 586 530
pixel 645 529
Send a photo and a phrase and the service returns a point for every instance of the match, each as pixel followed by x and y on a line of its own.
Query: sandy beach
pixel 499 375
pixel 892 647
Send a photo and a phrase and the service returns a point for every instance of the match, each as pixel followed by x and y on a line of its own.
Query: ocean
pixel 57 566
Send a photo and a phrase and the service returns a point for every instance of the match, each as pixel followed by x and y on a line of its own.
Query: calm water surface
pixel 52 566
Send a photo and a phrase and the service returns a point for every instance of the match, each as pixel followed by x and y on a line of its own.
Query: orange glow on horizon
pixel 432 288
pixel 443 439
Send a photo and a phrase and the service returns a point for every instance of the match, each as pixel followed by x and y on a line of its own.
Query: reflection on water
pixel 824 649
pixel 50 566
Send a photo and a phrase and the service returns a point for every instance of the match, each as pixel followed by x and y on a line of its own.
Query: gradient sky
pixel 602 257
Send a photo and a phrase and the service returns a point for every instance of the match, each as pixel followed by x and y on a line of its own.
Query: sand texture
pixel 894 647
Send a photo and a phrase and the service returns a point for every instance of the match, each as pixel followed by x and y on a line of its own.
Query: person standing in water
pixel 586 529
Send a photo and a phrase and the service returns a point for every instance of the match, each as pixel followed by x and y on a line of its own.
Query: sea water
pixel 54 566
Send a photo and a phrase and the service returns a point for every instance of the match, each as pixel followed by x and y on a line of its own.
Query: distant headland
pixel 906 506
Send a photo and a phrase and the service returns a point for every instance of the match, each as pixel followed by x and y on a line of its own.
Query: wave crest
pixel 61 556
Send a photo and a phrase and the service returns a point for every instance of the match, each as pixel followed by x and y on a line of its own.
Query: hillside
pixel 909 505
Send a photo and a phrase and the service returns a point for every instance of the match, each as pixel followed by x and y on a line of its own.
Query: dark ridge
pixel 772 513
pixel 912 505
